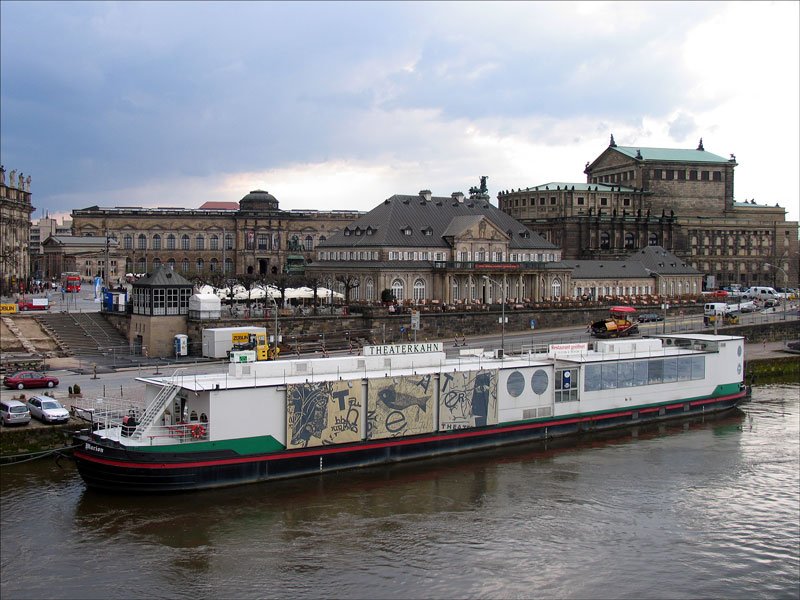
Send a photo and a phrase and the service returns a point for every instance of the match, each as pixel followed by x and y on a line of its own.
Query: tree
pixel 350 282
pixel 387 296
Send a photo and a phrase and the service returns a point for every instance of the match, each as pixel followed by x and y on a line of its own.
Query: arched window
pixel 127 242
pixel 156 242
pixel 398 290
pixel 605 240
pixel 156 263
pixel 629 241
pixel 170 242
pixel 213 266
pixel 171 264
pixel 142 245
pixel 199 265
pixel 322 238
pixel 370 293
pixel 556 288
pixel 184 242
pixel 455 289
pixel 228 265
pixel 419 290
pixel 141 266
pixel 652 239
pixel 228 241
pixel 309 243
pixel 200 242
pixel 215 242
pixel 185 265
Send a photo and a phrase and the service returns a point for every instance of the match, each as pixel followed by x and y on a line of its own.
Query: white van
pixel 764 294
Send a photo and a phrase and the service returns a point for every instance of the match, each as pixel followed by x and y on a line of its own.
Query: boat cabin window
pixel 622 374
pixel 567 385
pixel 193 416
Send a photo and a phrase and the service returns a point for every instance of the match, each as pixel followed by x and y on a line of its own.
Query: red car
pixel 29 379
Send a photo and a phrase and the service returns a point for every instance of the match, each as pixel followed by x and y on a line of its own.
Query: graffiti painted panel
pixel 400 406
pixel 467 399
pixel 323 413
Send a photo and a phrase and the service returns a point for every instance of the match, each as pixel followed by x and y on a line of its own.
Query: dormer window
pixel 427 231
pixel 370 230
pixel 358 231
pixel 346 231
pixel 407 230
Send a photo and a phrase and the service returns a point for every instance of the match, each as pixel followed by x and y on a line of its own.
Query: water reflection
pixel 701 508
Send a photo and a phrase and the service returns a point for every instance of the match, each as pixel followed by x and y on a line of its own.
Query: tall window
pixel 184 242
pixel 419 290
pixel 214 266
pixel 199 242
pixel 156 242
pixel 652 240
pixel 127 242
pixel 309 243
pixel 170 242
pixel 605 240
pixel 185 265
pixel 199 265
pixel 228 241
pixel 214 242
pixel 370 293
pixel 629 241
pixel 142 242
pixel 228 265
pixel 398 290
pixel 171 264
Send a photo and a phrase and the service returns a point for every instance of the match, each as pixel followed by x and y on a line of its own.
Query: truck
pixel 218 342
pixel 33 304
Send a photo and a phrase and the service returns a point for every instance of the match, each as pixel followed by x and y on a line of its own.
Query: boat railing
pixel 179 433
pixel 106 413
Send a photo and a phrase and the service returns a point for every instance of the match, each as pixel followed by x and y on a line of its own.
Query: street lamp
pixel 275 348
pixel 786 281
pixel 503 312
pixel 663 303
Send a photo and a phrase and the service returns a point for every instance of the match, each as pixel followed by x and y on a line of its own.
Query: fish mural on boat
pixel 467 399
pixel 400 406
pixel 323 413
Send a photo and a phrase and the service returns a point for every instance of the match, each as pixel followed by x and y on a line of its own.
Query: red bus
pixel 71 282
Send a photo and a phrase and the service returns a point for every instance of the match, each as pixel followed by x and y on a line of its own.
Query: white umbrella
pixel 302 292
pixel 273 292
pixel 205 289
pixel 222 293
pixel 323 292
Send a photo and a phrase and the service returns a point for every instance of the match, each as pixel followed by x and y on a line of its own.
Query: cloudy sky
pixel 340 105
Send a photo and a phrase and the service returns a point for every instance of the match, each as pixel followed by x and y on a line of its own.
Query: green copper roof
pixel 670 154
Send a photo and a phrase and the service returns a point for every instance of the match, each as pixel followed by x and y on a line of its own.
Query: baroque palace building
pixel 253 237
pixel 15 226
pixel 679 199
pixel 430 249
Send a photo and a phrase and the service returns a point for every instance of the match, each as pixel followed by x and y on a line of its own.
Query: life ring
pixel 198 432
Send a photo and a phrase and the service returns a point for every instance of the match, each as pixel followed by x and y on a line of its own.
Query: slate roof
pixel 383 225
pixel 163 277
pixel 662 262
pixel 670 154
pixel 653 259
pixel 605 269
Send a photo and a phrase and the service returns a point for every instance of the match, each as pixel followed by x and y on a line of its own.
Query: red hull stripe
pixel 321 451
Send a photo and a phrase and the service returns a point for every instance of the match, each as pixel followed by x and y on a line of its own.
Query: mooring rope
pixel 12 460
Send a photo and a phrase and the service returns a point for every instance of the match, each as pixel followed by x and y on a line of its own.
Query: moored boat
pixel 269 420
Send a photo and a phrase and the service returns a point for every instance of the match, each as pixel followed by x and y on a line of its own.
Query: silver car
pixel 14 412
pixel 47 409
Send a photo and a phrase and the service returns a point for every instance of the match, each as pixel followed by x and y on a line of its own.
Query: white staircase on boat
pixel 155 408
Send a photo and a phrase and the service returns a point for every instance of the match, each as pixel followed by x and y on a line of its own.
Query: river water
pixel 702 509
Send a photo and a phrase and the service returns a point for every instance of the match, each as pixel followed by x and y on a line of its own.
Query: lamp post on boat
pixel 786 284
pixel 502 313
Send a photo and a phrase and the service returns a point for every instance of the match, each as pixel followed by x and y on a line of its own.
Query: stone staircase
pixel 83 334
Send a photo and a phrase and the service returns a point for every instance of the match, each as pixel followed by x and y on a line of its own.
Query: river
pixel 701 509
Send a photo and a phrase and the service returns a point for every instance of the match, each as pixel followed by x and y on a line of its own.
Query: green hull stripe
pixel 244 446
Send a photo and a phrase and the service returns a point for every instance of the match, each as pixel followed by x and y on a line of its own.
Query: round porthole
pixel 515 384
pixel 539 381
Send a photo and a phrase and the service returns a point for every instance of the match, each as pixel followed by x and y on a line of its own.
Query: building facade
pixel 254 237
pixel 15 226
pixel 40 231
pixel 428 249
pixel 680 199
pixel 87 256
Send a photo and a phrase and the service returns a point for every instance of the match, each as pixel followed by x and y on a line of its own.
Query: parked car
pixel 14 412
pixel 650 317
pixel 29 379
pixel 34 304
pixel 47 409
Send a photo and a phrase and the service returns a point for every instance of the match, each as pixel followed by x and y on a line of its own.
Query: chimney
pixel 457 196
pixel 425 194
